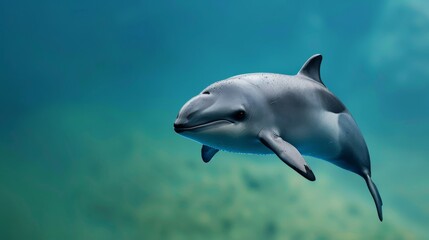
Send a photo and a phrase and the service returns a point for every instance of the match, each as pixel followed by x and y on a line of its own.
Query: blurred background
pixel 89 91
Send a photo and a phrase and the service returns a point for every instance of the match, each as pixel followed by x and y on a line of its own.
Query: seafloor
pixel 121 181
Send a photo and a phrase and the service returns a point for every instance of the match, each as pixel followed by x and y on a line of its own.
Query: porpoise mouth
pixel 182 128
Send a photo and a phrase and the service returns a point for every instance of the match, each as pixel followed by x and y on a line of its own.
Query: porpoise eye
pixel 206 92
pixel 239 115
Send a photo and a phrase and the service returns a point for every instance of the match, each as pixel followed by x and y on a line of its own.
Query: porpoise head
pixel 225 115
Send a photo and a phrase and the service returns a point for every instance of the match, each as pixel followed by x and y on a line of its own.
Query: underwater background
pixel 89 91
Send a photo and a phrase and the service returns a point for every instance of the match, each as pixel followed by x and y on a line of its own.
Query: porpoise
pixel 288 115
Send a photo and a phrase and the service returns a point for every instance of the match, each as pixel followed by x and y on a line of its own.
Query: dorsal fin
pixel 311 68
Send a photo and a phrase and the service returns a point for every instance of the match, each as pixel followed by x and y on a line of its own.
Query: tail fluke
pixel 375 195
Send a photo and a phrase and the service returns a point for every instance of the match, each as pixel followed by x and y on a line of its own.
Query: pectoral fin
pixel 207 153
pixel 287 153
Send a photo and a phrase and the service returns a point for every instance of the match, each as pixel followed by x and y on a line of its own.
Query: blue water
pixel 89 91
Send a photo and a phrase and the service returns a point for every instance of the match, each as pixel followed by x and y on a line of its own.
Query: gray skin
pixel 290 116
